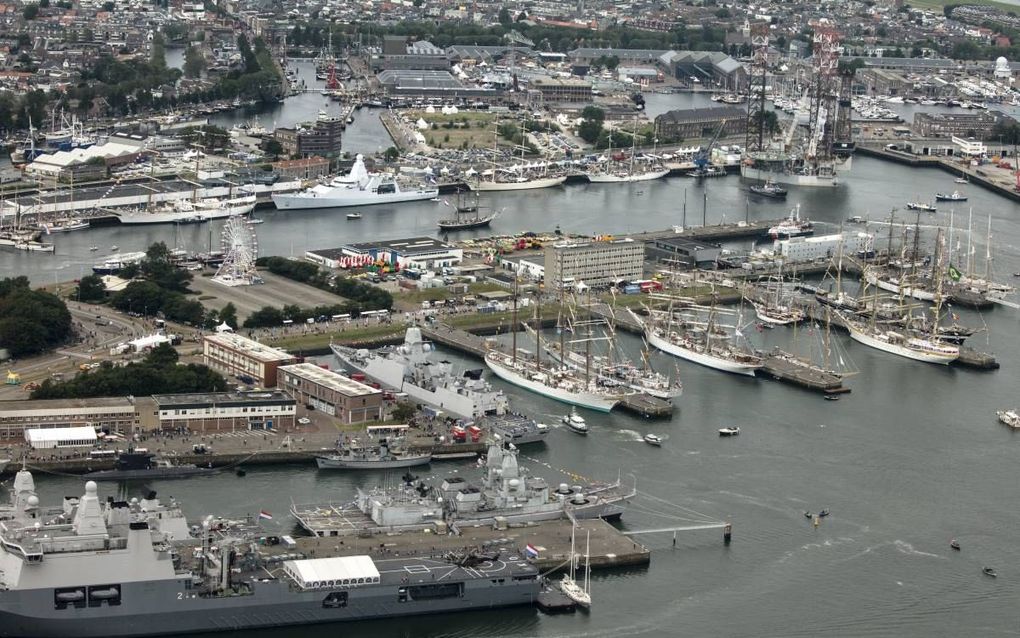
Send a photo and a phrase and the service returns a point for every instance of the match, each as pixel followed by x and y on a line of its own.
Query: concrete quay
pixel 609 547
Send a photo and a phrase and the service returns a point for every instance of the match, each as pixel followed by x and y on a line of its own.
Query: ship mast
pixel 513 324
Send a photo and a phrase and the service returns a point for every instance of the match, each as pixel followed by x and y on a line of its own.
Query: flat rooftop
pixel 59 405
pixel 329 379
pixel 411 246
pixel 202 399
pixel 250 347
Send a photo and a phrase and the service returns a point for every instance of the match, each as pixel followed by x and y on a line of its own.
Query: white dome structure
pixel 1002 70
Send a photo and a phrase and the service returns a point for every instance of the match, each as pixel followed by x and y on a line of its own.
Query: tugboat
pixel 769 189
pixel 792 226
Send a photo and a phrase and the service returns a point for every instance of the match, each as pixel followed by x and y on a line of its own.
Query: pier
pixel 609 547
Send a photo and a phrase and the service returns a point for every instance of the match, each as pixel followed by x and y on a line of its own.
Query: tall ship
pixel 95 568
pixel 554 382
pixel 610 369
pixel 507 490
pixel 508 179
pixel 704 342
pixel 188 211
pixel 408 368
pixel 632 171
pixel 906 342
pixel 358 188
pixel 468 215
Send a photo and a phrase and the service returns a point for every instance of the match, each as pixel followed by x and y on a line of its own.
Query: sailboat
pixel 773 310
pixel 703 342
pixel 612 369
pixel 580 594
pixel 630 174
pixel 514 178
pixel 929 348
pixel 555 382
pixel 468 215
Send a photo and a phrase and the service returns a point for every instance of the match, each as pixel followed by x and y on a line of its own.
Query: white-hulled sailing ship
pixel 703 341
pixel 632 171
pixel 549 379
pixel 903 341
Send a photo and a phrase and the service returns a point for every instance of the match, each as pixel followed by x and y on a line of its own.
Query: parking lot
pixel 276 291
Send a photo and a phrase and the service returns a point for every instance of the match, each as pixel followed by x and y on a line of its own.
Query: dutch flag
pixel 530 551
pixel 266 515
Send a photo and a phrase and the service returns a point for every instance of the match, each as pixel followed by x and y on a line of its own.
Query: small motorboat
pixel 575 422
pixel 990 571
pixel 955 196
pixel 353 215
pixel 653 439
pixel 733 431
pixel 832 397
pixel 929 208
pixel 255 221
pixel 807 515
pixel 436 199
pixel 114 248
pixel 961 180
pixel 955 544
pixel 241 472
pixel 93 248
pixel 823 513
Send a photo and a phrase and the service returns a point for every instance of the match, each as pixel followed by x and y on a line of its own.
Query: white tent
pixel 422 124
pixel 337 571
pixel 224 327
pixel 49 438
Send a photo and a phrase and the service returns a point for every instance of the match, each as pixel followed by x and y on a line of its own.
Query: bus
pixel 368 314
pixel 103 454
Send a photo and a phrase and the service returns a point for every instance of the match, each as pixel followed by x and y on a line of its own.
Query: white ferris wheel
pixel 240 250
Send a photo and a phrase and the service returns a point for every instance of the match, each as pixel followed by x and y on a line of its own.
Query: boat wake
pixel 904 547
pixel 631 435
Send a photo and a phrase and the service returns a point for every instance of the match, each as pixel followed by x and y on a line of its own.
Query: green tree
pixel 403 412
pixel 194 62
pixel 91 289
pixel 273 147
pixel 228 314
pixel 30 12
pixel 591 128
pixel 504 17
pixel 157 54
pixel 162 356
pixel 265 317
pixel 391 154
pixel 31 321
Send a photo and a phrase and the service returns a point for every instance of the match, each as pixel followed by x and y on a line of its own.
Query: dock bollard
pixel 727 534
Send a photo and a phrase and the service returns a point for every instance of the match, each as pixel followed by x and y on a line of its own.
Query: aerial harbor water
pixel 910 459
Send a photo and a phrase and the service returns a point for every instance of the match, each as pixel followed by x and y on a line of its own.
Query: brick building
pixel 684 124
pixel 239 356
pixel 332 393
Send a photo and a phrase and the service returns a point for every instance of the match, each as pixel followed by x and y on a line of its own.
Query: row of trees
pixel 270 317
pixel 31 321
pixel 446 33
pixel 158 372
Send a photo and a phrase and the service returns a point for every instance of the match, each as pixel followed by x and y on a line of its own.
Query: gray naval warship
pixel 134 568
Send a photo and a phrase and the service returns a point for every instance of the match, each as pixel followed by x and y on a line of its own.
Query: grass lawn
pixel 317 341
pixel 470 130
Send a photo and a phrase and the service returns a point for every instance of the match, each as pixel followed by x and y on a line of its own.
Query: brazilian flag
pixel 954 274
